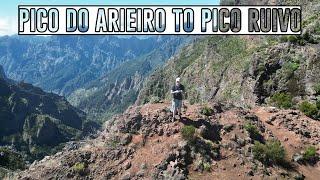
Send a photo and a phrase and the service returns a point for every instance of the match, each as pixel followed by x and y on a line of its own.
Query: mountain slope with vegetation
pixel 246 70
pixel 35 122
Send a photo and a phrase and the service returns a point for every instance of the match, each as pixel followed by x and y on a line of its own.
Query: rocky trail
pixel 143 143
pixel 293 135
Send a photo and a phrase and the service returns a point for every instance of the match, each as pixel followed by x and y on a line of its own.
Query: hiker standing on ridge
pixel 177 91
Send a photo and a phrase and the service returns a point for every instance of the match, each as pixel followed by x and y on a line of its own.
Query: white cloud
pixel 8 26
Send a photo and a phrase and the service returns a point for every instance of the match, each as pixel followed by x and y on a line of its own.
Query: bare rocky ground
pixel 143 143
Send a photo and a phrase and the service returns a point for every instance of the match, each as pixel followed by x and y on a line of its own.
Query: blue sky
pixel 9 12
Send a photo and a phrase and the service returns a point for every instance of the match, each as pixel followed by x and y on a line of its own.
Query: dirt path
pixel 188 111
pixel 291 141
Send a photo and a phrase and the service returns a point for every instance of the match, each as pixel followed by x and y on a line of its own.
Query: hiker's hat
pixel 178 79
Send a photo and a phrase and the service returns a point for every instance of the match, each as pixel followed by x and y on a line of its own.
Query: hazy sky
pixel 9 9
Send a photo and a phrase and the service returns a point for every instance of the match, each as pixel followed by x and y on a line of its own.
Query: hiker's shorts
pixel 176 104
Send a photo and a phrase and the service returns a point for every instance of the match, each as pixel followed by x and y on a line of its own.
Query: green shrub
pixel 317 29
pixel 206 111
pixel 306 36
pixel 282 100
pixel 293 66
pixel 79 168
pixel 317 88
pixel 259 151
pixel 318 104
pixel 252 130
pixel 207 166
pixel 154 99
pixel 292 38
pixel 271 40
pixel 288 70
pixel 275 151
pixel 188 133
pixel 309 109
pixel 301 40
pixel 270 153
pixel 310 154
pixel 10 159
pixel 113 142
pixel 297 39
pixel 283 38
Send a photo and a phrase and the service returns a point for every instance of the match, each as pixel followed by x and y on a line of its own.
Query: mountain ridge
pixel 35 122
pixel 143 143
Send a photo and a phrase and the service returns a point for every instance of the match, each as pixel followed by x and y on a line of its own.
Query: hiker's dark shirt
pixel 177 88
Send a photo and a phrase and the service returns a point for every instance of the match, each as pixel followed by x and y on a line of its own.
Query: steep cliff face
pixel 32 120
pixel 244 70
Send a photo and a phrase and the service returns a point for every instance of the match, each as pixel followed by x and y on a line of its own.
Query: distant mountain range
pixel 62 64
pixel 108 69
